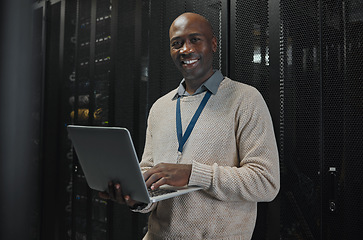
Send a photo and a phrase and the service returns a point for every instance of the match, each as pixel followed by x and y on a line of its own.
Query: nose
pixel 187 48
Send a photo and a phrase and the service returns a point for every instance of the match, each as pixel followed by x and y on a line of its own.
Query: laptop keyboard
pixel 159 191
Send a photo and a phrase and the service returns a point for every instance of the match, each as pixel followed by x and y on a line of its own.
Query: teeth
pixel 190 61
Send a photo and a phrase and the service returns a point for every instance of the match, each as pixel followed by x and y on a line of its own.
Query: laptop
pixel 108 154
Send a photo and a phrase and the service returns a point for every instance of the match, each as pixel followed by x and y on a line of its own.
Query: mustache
pixel 188 55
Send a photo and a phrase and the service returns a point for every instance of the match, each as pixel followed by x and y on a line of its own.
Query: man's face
pixel 192 45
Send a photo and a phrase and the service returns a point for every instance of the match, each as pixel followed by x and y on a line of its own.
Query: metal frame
pixel 273 208
pixel 225 48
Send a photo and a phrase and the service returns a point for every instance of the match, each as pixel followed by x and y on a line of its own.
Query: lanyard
pixel 182 139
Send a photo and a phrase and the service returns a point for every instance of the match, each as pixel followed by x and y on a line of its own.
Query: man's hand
pixel 115 194
pixel 168 173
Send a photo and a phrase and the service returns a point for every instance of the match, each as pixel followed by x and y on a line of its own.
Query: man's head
pixel 192 44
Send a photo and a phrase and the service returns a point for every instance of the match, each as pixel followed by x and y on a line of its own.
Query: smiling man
pixel 212 132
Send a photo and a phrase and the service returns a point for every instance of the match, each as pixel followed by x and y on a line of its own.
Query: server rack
pixel 89 94
pixel 319 50
pixel 91 89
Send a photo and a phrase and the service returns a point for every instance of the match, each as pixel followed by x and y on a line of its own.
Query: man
pixel 231 151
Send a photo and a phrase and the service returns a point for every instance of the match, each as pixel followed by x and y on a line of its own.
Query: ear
pixel 214 44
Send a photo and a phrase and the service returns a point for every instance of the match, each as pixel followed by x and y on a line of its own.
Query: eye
pixel 194 40
pixel 176 44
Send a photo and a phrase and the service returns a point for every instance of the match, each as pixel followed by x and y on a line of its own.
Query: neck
pixel 191 85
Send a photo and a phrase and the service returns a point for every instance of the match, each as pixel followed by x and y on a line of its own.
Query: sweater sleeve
pixel 257 176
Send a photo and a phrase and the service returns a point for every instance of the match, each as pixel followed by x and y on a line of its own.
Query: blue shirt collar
pixel 211 85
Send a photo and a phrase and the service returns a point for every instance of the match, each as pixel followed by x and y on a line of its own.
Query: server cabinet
pixel 253 60
pixel 88 95
pixel 103 28
pixel 342 115
pixel 75 91
pixel 322 189
pixel 301 127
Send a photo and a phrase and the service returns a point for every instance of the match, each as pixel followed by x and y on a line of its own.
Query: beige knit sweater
pixel 234 156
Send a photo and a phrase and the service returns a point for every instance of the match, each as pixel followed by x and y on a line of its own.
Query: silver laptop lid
pixel 108 154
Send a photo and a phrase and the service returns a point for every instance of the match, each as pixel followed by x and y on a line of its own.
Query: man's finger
pixel 149 173
pixel 118 193
pixel 159 183
pixel 153 179
pixel 158 168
